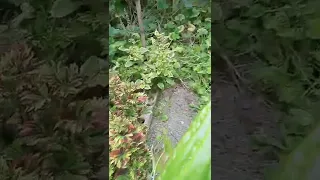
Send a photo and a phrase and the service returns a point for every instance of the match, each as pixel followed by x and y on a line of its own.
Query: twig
pixel 234 72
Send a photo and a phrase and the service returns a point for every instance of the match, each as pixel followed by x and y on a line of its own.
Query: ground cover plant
pixel 281 41
pixel 174 47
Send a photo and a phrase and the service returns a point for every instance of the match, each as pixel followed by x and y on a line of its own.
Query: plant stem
pixel 139 14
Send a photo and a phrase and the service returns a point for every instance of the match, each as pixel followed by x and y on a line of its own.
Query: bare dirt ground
pixel 236 117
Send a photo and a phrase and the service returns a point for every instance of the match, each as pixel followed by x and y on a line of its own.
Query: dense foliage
pixel 282 38
pixel 177 50
pixel 53 96
pixel 54 78
pixel 128 151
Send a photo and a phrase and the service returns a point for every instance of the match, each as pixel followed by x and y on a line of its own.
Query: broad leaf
pixel 71 177
pixel 313 30
pixel 217 12
pixel 301 117
pixel 90 67
pixel 160 85
pixel 303 162
pixel 162 4
pixel 62 8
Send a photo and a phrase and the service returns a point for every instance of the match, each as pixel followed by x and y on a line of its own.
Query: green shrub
pixel 154 64
pixel 128 152
pixel 50 130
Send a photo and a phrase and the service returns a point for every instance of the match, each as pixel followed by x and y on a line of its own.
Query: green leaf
pixel 295 33
pixel 3 28
pixel 191 158
pixel 100 79
pixel 44 91
pixel 301 116
pixel 289 92
pixel 162 4
pixel 75 30
pixel 152 26
pixel 313 30
pixel 256 11
pixel 170 81
pixel 174 36
pixel 170 25
pixel 62 8
pixel 3 165
pixel 160 85
pixel 90 67
pixel 277 22
pixel 69 176
pixel 164 117
pixel 123 177
pixel 303 162
pixel 180 17
pixel 202 31
pixel 128 64
pixel 195 13
pixel 188 3
pixel 39 104
pixel 180 28
pixel 27 13
pixel 217 11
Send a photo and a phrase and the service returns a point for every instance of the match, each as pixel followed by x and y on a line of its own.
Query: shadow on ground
pixel 236 117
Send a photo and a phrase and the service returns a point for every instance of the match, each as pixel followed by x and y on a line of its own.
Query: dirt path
pixel 172 114
pixel 236 116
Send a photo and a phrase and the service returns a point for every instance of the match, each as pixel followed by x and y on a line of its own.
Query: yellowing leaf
pixel 180 17
pixel 181 28
pixel 191 27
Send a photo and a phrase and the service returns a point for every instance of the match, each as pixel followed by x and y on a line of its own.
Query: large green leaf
pixel 314 28
pixel 62 8
pixel 162 4
pixel 69 176
pixel 217 11
pixel 303 163
pixel 191 159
